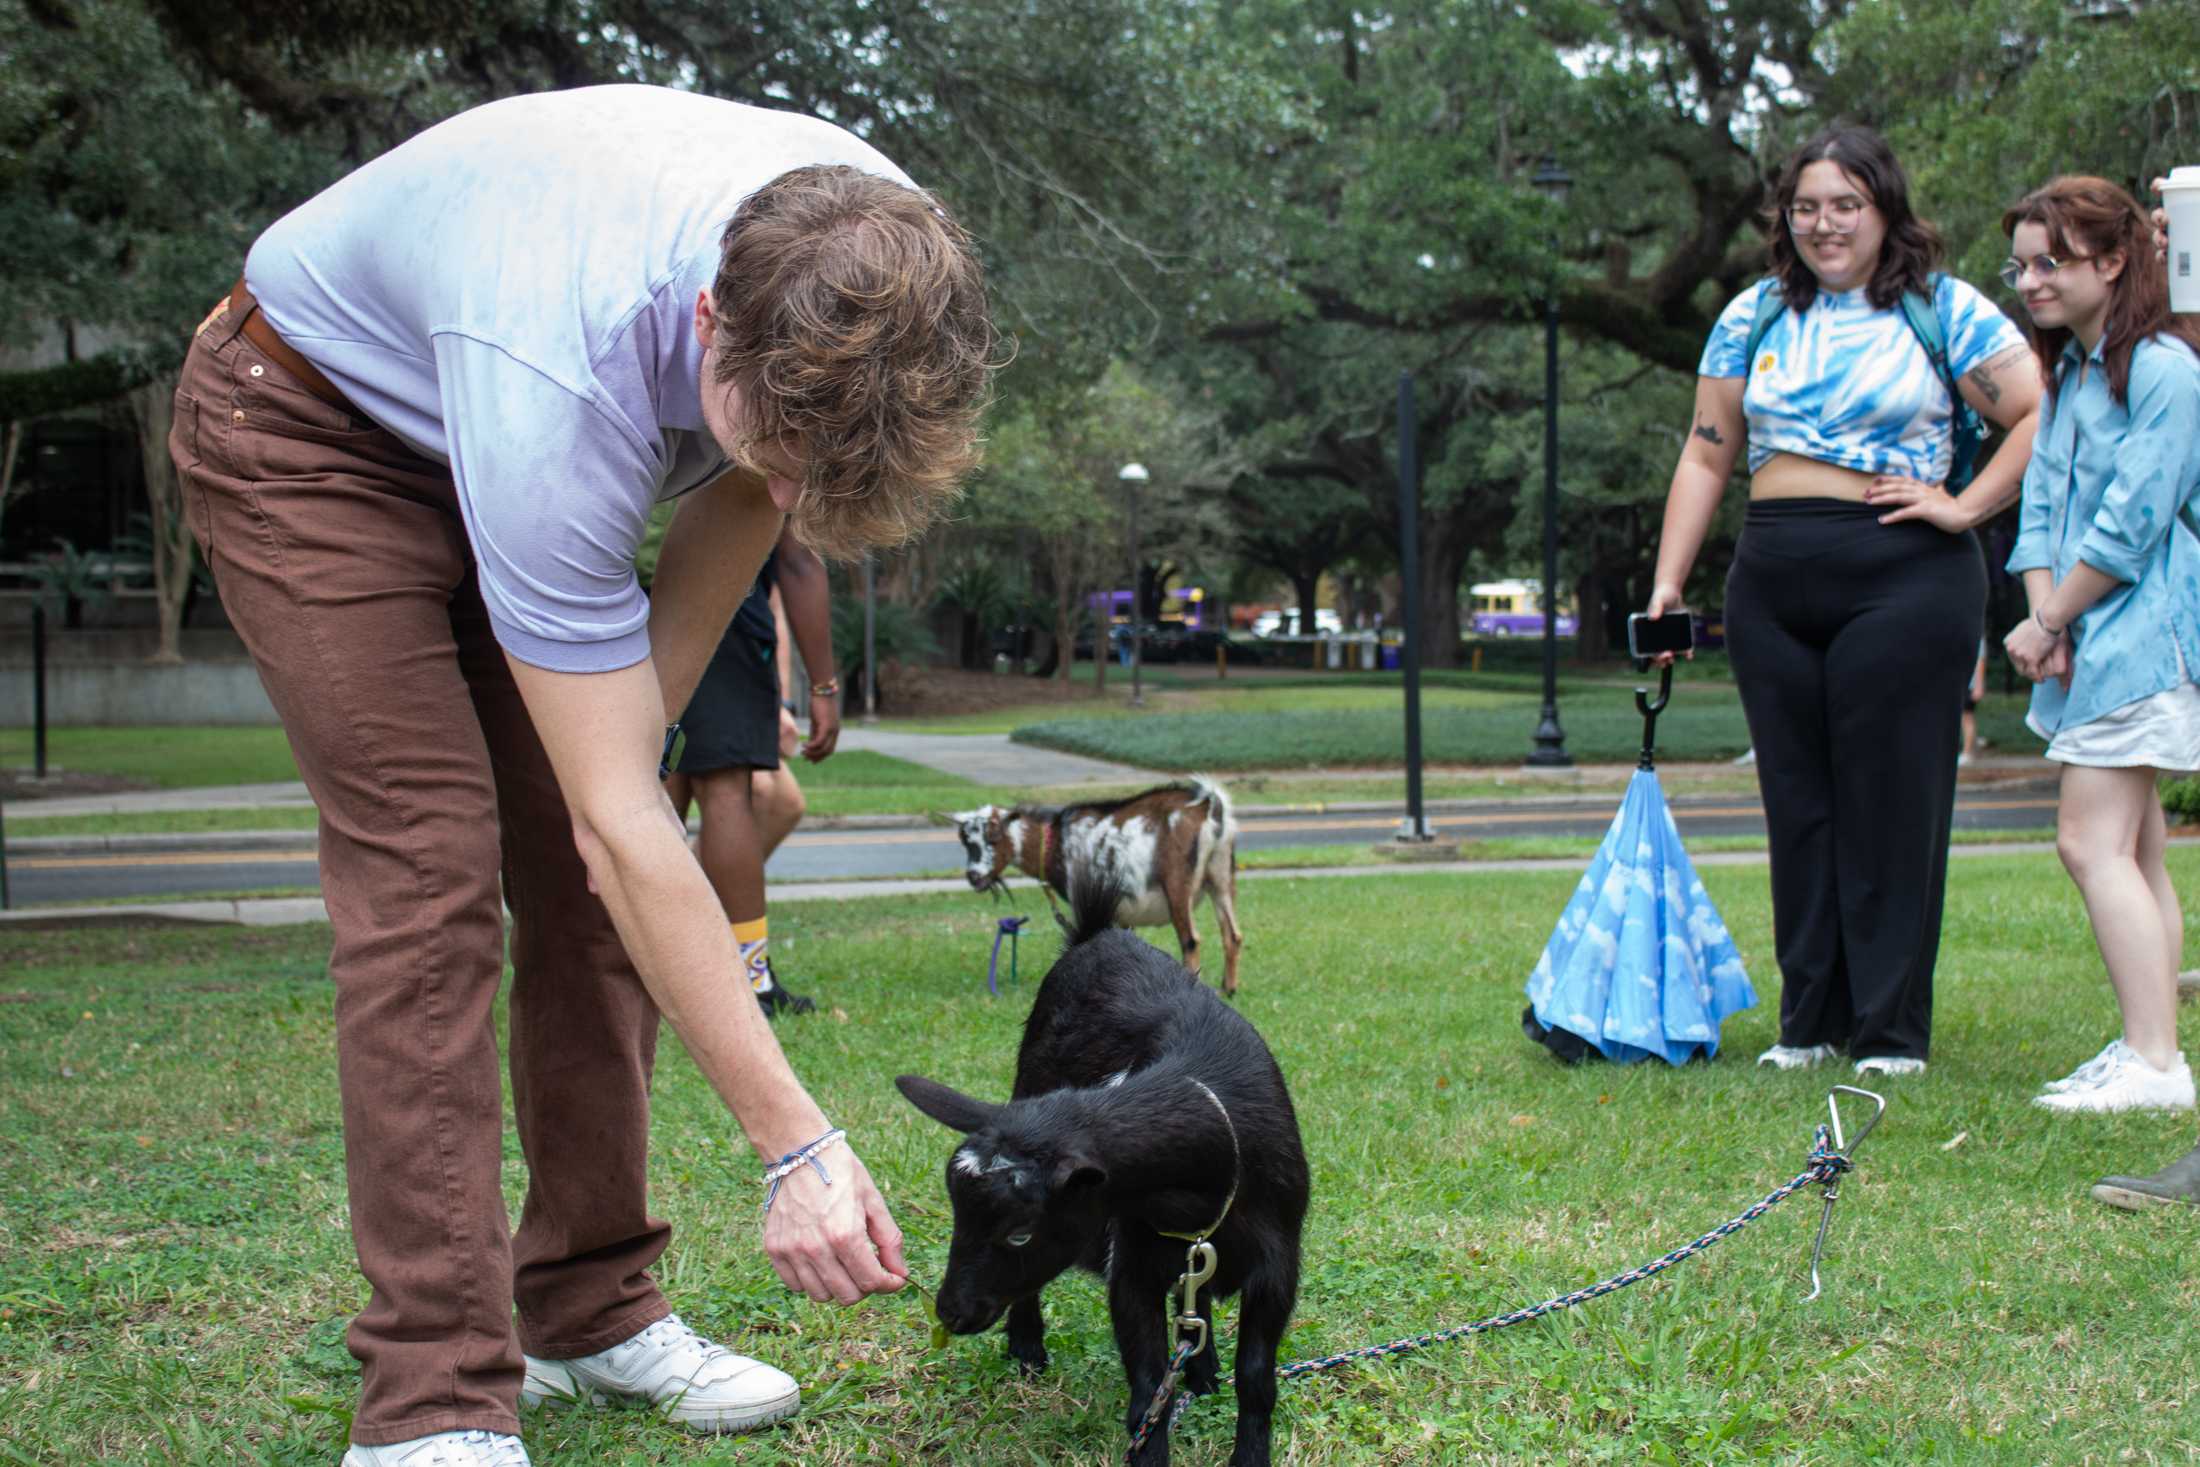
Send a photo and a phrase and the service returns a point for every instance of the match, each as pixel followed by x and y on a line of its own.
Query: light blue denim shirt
pixel 2117 485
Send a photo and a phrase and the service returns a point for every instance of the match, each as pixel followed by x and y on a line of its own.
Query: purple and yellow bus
pixel 1511 609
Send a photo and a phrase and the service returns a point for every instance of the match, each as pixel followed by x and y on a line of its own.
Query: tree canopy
pixel 1259 211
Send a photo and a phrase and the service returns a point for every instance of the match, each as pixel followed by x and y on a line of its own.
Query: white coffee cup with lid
pixel 2181 201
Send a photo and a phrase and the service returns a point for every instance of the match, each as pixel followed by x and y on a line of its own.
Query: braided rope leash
pixel 1829 1157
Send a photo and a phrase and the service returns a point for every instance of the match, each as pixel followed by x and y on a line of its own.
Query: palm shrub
pixel 899 634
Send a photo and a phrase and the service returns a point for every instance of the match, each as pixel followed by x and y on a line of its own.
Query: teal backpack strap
pixel 1770 303
pixel 1964 426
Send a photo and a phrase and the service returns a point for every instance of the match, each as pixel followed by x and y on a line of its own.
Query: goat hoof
pixel 1032 1360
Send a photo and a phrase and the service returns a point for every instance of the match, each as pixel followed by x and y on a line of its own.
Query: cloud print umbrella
pixel 1640 963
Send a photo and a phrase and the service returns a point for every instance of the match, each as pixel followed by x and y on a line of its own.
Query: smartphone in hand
pixel 1648 636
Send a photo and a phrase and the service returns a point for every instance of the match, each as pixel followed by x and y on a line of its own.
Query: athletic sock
pixel 751 939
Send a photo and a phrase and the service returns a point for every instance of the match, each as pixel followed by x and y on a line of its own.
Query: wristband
pixel 795 1160
pixel 672 751
pixel 2053 632
pixel 830 688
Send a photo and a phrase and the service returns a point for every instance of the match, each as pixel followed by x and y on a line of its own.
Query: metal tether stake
pixel 1845 1149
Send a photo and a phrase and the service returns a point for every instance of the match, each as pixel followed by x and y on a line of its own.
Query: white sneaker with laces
pixel 1890 1064
pixel 1787 1057
pixel 702 1386
pixel 2089 1074
pixel 444 1449
pixel 2130 1084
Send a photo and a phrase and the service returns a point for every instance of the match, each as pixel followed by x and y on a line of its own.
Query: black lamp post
pixel 1552 182
pixel 1133 477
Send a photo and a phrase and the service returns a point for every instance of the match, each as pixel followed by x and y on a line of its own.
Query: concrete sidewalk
pixel 286 911
pixel 981 758
pixel 993 758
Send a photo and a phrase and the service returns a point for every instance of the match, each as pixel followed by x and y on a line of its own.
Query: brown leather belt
pixel 262 335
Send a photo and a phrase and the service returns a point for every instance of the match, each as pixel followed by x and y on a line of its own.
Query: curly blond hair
pixel 853 322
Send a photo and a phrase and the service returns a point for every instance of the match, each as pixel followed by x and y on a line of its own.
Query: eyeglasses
pixel 1842 215
pixel 2044 266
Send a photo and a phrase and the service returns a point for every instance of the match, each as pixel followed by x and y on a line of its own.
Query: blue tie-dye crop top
pixel 1847 383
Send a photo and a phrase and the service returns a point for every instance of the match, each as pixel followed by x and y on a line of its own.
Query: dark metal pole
pixel 1138 640
pixel 1409 557
pixel 38 691
pixel 1550 739
pixel 870 641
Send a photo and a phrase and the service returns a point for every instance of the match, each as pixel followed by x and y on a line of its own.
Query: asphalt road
pixel 840 854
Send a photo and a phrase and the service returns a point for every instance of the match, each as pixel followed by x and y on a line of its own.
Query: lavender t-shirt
pixel 512 293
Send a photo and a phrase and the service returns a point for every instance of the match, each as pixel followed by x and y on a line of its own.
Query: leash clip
pixel 1199 1267
pixel 1843 1150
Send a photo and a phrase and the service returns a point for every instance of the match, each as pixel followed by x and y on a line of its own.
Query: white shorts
pixel 2158 732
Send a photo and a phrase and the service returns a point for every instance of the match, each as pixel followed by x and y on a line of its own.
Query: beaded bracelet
pixel 795 1160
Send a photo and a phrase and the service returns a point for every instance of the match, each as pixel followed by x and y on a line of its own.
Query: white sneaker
pixel 444 1449
pixel 700 1385
pixel 1890 1064
pixel 2130 1084
pixel 1786 1057
pixel 2089 1074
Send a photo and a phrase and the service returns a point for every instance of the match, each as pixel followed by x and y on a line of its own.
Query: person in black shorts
pixel 730 763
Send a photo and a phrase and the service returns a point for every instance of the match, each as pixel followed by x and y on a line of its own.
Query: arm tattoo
pixel 1982 377
pixel 1709 434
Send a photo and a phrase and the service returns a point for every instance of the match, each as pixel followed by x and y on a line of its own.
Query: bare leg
pixel 731 850
pixel 777 800
pixel 2101 822
pixel 2153 842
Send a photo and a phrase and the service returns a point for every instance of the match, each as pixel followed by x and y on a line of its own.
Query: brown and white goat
pixel 1164 848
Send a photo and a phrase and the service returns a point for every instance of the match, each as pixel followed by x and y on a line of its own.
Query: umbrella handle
pixel 1650 711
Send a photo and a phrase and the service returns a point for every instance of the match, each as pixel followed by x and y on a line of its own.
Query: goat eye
pixel 1017 1240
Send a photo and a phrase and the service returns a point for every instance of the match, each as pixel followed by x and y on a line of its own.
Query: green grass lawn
pixel 1315 726
pixel 175 1269
pixel 166 758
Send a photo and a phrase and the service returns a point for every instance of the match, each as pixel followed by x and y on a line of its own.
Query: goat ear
pixel 1076 1171
pixel 951 1108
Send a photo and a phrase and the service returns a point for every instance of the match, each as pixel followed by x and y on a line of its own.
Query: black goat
pixel 1144 1108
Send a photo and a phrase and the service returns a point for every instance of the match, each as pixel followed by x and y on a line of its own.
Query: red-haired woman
pixel 2111 566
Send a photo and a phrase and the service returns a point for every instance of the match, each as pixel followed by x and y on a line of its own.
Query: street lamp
pixel 1133 478
pixel 1552 182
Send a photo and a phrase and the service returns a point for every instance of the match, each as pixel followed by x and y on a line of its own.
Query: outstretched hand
pixel 835 1243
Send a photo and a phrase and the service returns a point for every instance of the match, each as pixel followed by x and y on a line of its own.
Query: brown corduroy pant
pixel 341 559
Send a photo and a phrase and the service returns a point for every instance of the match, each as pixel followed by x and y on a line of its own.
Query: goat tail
pixel 1097 890
pixel 1205 791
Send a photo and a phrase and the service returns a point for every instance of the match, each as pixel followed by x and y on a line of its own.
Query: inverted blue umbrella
pixel 1640 963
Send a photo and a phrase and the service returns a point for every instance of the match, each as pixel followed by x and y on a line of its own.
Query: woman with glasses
pixel 1855 602
pixel 2111 565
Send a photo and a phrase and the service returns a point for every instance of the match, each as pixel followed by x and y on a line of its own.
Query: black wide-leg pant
pixel 1852 643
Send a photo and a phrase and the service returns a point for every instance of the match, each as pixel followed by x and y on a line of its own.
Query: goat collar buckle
pixel 1199 1267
